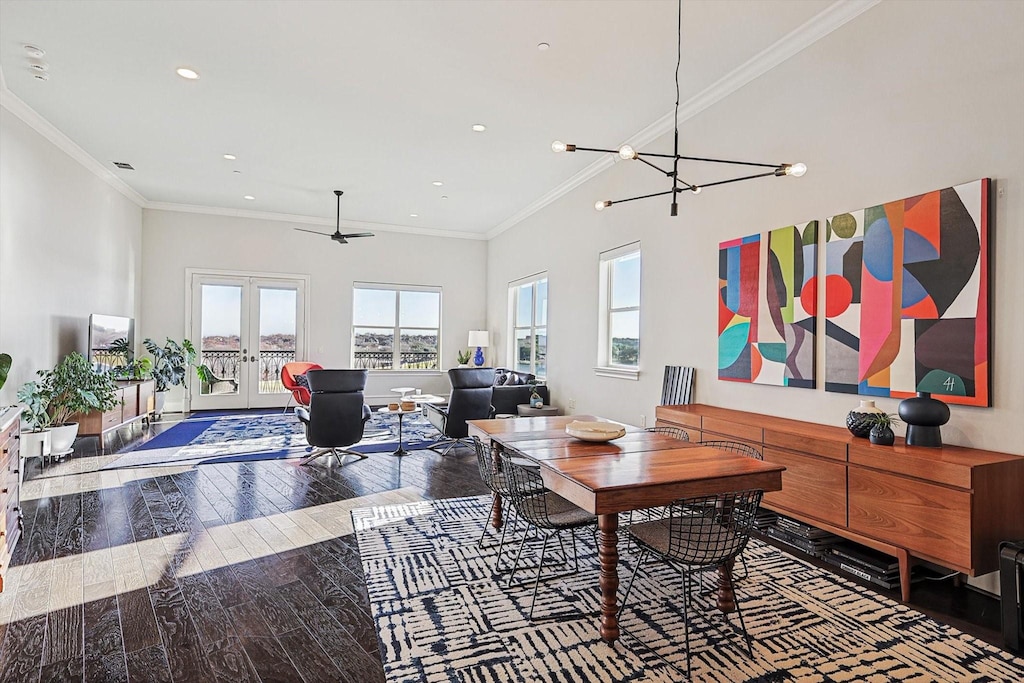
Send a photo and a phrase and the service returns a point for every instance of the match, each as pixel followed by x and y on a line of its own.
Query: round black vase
pixel 859 424
pixel 882 435
pixel 924 416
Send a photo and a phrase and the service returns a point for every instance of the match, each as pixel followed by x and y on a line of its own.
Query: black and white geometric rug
pixel 441 615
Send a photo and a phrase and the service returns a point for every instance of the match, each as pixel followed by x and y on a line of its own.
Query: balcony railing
pixel 384 360
pixel 224 365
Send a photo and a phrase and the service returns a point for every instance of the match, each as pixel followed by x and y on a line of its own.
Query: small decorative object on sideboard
pixel 924 416
pixel 536 401
pixel 881 430
pixel 860 420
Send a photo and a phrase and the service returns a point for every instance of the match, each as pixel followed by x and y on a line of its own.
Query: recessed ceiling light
pixel 230 157
pixel 187 73
pixel 249 197
pixel 437 183
pixel 236 171
pixel 543 46
pixel 40 75
pixel 444 196
pixel 479 127
pixel 39 66
pixel 34 51
pixel 414 215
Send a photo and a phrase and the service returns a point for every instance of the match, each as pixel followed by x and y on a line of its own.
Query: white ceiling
pixel 372 97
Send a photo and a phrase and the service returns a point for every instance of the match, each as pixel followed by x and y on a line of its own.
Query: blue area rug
pixel 243 437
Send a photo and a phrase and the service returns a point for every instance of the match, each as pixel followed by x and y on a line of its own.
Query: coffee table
pixel 398 452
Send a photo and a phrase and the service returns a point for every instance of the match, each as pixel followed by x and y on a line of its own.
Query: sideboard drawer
pixel 813 487
pixel 806 444
pixel 112 417
pixel 734 429
pixel 928 466
pixel 932 520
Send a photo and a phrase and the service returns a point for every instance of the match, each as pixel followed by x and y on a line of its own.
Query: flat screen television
pixel 103 330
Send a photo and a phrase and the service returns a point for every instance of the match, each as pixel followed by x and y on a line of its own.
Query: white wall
pixel 909 97
pixel 69 246
pixel 174 241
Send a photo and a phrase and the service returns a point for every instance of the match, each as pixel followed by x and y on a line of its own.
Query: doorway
pixel 245 327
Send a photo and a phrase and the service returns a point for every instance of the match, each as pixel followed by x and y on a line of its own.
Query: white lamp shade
pixel 479 338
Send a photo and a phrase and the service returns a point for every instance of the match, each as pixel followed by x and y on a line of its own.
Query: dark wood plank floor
pixel 229 572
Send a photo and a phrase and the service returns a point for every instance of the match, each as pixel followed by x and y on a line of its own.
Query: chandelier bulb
pixel 600 206
pixel 696 189
pixel 796 170
pixel 627 152
pixel 558 146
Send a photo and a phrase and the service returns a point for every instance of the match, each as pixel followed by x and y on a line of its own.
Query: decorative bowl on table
pixel 594 431
pixel 408 405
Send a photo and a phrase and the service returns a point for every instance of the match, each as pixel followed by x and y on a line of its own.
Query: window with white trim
pixel 382 313
pixel 528 322
pixel 619 326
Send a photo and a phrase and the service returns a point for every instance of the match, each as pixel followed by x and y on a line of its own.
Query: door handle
pixel 252 359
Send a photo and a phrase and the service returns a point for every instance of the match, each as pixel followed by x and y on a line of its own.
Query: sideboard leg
pixel 904 559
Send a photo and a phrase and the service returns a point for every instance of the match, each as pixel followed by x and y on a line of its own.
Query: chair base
pixel 340 453
pixel 448 443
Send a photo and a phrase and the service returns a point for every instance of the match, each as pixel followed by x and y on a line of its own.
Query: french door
pixel 245 327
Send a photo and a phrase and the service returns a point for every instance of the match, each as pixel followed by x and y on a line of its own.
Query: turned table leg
pixel 608 553
pixel 496 520
pixel 726 597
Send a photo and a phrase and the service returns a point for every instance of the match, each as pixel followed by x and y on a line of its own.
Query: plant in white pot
pixel 171 364
pixel 35 438
pixel 74 387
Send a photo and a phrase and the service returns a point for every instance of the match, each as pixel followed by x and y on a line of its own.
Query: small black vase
pixel 882 435
pixel 924 416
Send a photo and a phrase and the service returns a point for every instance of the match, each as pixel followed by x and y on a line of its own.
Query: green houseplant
pixel 74 387
pixel 129 366
pixel 463 357
pixel 5 367
pixel 35 440
pixel 881 429
pixel 171 363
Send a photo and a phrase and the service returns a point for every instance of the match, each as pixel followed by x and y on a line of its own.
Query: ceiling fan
pixel 338 236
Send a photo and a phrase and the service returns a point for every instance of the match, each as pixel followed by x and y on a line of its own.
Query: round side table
pixel 525 410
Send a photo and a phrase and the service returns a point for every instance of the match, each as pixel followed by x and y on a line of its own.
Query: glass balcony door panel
pixel 246 328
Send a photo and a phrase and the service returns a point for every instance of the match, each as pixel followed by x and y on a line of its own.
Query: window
pixel 528 319
pixel 383 313
pixel 619 341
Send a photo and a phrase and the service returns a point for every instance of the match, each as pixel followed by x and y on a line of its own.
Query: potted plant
pixel 129 367
pixel 463 357
pixel 171 363
pixel 5 367
pixel 35 440
pixel 881 429
pixel 74 387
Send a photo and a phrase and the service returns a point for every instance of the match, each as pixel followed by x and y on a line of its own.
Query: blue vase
pixel 478 357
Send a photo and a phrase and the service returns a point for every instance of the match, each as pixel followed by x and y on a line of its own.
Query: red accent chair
pixel 299 392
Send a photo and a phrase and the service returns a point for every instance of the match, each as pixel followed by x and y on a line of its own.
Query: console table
pixel 951 506
pixel 136 401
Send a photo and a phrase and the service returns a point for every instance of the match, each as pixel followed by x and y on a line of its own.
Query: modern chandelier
pixel 678 184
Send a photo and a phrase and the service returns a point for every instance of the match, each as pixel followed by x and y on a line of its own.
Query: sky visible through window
pixel 222 306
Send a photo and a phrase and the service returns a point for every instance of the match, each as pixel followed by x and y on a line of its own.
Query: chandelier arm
pixel 688 186
pixel 656 168
pixel 645 196
pixel 595 149
pixel 736 180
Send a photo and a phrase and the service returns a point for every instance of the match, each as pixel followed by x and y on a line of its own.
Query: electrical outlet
pixel 643 420
pixel 572 404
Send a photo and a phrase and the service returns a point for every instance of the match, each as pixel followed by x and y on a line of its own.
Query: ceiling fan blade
pixel 315 232
pixel 358 234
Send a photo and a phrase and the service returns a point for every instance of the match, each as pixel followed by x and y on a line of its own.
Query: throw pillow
pixel 500 378
pixel 515 379
pixel 302 380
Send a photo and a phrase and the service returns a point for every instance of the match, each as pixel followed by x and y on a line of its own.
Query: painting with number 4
pixel 768 286
pixel 906 297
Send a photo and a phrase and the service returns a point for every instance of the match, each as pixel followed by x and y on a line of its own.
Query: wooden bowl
pixel 595 431
pixel 408 405
pixel 392 406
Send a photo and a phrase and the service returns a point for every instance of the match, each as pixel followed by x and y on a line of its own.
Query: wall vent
pixel 124 165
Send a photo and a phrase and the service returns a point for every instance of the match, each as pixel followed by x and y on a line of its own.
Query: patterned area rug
pixel 244 437
pixel 442 616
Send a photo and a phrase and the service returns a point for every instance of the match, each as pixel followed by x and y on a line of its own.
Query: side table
pixel 398 452
pixel 525 410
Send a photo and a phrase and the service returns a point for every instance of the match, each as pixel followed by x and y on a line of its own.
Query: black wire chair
pixel 742 449
pixel 698 534
pixel 656 512
pixel 546 512
pixel 677 432
pixel 496 480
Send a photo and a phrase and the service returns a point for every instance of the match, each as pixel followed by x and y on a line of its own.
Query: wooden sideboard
pixel 137 400
pixel 10 501
pixel 950 506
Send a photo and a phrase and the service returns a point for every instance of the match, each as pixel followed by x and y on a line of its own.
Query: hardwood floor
pixel 233 572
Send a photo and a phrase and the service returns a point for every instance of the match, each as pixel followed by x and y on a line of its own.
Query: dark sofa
pixel 512 388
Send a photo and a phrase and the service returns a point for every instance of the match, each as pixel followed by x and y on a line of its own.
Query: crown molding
pixel 17 106
pixel 811 31
pixel 310 220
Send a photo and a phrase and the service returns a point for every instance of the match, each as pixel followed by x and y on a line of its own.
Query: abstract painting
pixel 906 297
pixel 768 288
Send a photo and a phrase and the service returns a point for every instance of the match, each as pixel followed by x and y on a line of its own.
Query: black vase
pixel 860 420
pixel 924 416
pixel 882 435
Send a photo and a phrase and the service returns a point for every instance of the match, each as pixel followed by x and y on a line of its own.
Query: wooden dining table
pixel 638 470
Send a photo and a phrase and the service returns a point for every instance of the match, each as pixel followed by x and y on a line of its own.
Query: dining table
pixel 638 470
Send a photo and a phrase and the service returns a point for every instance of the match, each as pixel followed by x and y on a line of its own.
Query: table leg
pixel 400 451
pixel 726 596
pixel 496 520
pixel 608 553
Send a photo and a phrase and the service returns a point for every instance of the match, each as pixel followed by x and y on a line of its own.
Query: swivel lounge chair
pixel 470 400
pixel 336 415
pixel 299 388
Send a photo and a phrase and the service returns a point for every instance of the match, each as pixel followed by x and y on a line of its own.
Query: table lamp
pixel 480 339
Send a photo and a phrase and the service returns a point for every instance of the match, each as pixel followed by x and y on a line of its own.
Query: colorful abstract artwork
pixel 906 297
pixel 768 288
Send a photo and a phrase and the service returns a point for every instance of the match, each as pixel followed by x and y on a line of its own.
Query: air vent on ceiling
pixel 126 166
